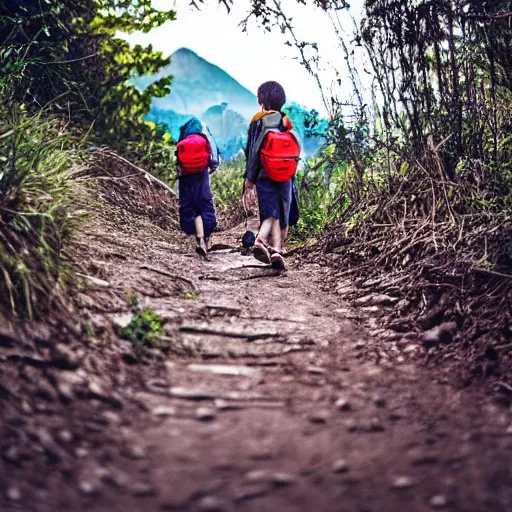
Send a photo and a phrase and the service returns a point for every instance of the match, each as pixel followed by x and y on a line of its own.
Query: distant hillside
pixel 198 85
pixel 201 89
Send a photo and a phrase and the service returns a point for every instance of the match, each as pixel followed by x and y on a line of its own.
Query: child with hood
pixel 197 157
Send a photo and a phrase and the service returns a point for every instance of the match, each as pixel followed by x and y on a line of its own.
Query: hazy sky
pixel 256 56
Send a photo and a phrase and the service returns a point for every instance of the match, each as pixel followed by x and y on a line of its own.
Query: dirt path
pixel 272 396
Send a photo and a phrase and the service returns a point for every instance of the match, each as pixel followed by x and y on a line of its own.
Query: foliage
pixel 36 217
pixel 309 125
pixel 321 200
pixel 227 184
pixel 443 69
pixel 63 71
pixel 65 54
pixel 144 327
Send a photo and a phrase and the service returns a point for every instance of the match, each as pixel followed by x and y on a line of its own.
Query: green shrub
pixel 37 163
pixel 321 194
pixel 227 184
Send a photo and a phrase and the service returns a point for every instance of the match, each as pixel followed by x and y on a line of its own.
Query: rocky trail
pixel 265 393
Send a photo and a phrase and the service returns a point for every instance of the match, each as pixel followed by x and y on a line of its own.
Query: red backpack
pixel 280 155
pixel 193 153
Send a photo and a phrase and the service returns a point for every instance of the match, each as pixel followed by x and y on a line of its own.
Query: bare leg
pixel 284 237
pixel 198 221
pixel 266 230
pixel 201 247
pixel 276 235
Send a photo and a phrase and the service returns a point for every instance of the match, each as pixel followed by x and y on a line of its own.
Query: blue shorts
pixel 274 199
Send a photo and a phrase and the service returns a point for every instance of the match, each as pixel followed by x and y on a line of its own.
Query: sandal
pixel 277 261
pixel 260 251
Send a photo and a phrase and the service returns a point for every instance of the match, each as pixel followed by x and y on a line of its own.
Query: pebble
pixel 282 479
pixel 441 334
pixel 140 489
pixel 438 501
pixel 46 392
pixel 210 504
pixel 379 401
pixel 163 410
pixel 88 488
pixel 371 309
pixel 340 466
pixel 13 494
pixel 223 369
pixel 114 476
pixel 420 457
pixel 128 354
pixel 64 357
pixel 191 394
pixel 99 283
pixel 65 436
pixel 319 417
pixel 12 454
pixel 372 300
pixel 26 407
pixel 249 493
pixel 81 453
pixel 351 425
pixel 403 304
pixel 135 451
pixel 257 475
pixel 205 414
pixel 112 417
pixel 65 392
pixel 316 370
pixel 343 405
pixel 376 425
pixel 402 482
pixel 122 320
pixel 95 388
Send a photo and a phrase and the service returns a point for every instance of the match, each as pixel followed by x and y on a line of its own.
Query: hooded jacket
pixel 195 126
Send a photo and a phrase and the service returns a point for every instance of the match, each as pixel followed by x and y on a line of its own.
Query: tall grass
pixel 227 184
pixel 322 200
pixel 320 187
pixel 38 161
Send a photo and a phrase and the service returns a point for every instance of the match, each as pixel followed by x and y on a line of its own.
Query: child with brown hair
pixel 272 155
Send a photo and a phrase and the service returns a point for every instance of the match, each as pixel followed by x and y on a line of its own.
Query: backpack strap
pixel 270 123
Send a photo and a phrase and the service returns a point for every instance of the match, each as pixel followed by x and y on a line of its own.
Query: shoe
pixel 260 251
pixel 248 239
pixel 277 261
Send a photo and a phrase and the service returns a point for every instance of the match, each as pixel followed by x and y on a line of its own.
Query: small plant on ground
pixel 144 327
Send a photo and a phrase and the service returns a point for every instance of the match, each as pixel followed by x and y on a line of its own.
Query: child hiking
pixel 196 154
pixel 272 155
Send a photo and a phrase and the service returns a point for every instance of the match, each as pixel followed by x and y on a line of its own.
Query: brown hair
pixel 271 95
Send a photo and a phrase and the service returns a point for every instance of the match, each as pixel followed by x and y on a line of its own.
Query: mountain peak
pixel 185 51
pixel 198 84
